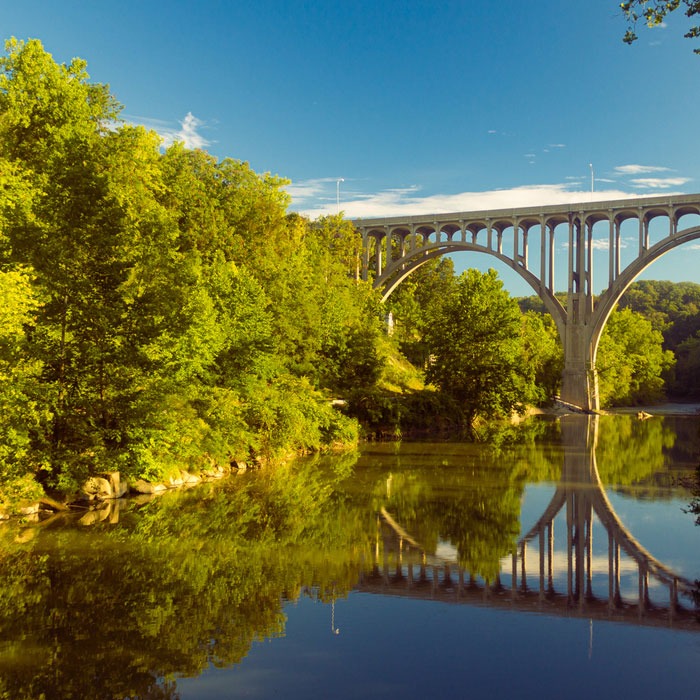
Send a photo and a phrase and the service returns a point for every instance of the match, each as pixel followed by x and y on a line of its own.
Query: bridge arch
pixel 399 246
pixel 415 260
pixel 609 299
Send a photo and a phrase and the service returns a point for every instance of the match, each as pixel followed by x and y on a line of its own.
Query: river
pixel 557 560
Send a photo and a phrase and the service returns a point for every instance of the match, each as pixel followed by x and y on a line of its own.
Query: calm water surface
pixel 557 561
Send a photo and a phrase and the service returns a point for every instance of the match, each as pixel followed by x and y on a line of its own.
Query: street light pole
pixel 337 193
pixel 590 165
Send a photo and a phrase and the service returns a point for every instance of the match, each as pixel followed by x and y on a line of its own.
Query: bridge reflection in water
pixel 533 579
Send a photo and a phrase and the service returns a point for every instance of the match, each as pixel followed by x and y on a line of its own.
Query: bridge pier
pixel 579 381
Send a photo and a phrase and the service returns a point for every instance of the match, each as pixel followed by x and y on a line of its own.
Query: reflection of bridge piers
pixel 582 496
pixel 575 586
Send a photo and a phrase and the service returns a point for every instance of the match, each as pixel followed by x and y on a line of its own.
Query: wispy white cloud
pixel 601 241
pixel 189 131
pixel 310 190
pixel 553 147
pixel 640 169
pixel 659 182
pixel 410 201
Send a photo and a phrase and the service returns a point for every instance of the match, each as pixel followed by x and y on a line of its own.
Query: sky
pixel 382 108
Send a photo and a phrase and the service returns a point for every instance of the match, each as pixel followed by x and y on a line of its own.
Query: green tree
pixel 53 127
pixel 544 355
pixel 171 312
pixel 412 302
pixel 653 13
pixel 22 410
pixel 348 329
pixel 631 361
pixel 476 348
pixel 687 370
pixel 673 309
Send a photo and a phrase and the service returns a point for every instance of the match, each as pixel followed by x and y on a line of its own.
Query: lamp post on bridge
pixel 337 193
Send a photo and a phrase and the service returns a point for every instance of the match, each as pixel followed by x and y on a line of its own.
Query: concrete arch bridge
pixel 394 247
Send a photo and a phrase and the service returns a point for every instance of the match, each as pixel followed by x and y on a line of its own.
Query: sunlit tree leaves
pixel 631 361
pixel 476 347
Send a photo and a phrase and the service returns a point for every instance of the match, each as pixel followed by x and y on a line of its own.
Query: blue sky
pixel 419 106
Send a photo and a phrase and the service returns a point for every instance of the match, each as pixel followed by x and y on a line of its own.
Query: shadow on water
pixel 168 588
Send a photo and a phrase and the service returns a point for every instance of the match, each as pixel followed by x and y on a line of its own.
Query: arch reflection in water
pixel 539 576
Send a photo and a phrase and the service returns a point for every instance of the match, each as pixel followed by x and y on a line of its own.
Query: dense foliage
pixel 477 354
pixel 482 357
pixel 673 309
pixel 650 347
pixel 161 308
pixel 631 361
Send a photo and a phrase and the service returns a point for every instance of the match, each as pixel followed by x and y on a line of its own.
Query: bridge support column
pixel 579 385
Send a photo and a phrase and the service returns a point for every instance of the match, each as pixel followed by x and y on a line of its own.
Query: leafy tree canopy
pixel 162 309
pixel 631 361
pixel 477 354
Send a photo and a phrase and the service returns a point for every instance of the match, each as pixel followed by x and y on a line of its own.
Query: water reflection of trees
pixel 472 501
pixel 630 451
pixel 647 459
pixel 192 579
pixel 116 611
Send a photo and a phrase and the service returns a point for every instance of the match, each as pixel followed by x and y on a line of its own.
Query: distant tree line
pixel 650 348
pixel 673 310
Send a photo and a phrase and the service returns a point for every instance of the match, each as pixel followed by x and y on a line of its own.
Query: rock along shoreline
pixel 98 494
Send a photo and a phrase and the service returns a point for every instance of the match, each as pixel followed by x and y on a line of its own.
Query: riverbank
pixel 102 490
pixel 664 409
pixel 559 408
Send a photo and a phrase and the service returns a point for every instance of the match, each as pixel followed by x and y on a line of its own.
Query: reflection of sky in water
pixel 664 529
pixel 397 648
